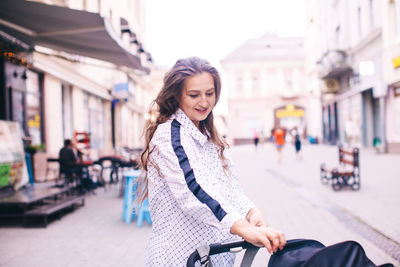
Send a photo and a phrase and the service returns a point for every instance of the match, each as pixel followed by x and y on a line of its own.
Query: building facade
pixel 358 46
pixel 99 79
pixel 391 72
pixel 266 89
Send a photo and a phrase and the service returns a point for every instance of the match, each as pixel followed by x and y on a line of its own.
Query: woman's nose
pixel 203 99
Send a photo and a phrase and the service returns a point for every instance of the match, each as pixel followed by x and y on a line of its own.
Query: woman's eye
pixel 210 94
pixel 193 96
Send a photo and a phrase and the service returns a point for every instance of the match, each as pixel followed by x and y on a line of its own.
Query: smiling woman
pixel 198 97
pixel 194 196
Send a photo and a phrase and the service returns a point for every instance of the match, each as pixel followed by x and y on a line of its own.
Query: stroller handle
pixel 218 248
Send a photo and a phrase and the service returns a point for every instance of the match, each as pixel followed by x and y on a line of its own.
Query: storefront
pixel 21 90
pixel 289 117
pixel 330 123
pixel 393 118
pixel 391 59
pixel 350 119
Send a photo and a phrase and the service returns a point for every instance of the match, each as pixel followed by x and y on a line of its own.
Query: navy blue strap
pixel 190 179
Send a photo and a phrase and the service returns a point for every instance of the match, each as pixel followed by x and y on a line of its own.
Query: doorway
pixel 370 119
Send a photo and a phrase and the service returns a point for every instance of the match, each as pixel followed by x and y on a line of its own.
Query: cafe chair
pixel 143 214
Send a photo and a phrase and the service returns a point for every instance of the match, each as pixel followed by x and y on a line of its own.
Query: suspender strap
pixel 204 253
pixel 248 256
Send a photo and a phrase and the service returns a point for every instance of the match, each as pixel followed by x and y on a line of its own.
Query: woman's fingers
pixel 267 244
pixel 277 239
pixel 282 239
pixel 261 236
pixel 274 238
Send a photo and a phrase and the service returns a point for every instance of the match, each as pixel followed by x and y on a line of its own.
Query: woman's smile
pixel 198 97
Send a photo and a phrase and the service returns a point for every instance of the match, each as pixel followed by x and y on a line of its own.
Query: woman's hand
pixel 277 239
pixel 255 218
pixel 261 236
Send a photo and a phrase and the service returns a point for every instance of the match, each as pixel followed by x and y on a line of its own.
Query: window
pixel 67 111
pixel 397 18
pixel 239 83
pixel 18 111
pixel 96 122
pixel 288 78
pixel 33 110
pixel 25 99
pixel 371 14
pixel 359 22
pixel 255 84
pixel 337 36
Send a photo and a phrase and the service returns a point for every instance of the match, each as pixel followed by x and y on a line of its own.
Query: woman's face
pixel 198 97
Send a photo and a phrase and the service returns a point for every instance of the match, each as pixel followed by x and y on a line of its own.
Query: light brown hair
pixel 167 103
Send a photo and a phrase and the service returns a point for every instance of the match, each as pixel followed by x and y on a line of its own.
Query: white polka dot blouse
pixel 192 200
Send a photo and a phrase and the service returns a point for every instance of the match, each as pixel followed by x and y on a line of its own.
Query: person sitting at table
pixel 71 164
pixel 68 159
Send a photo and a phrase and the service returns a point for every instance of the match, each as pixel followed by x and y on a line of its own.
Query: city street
pixel 84 84
pixel 293 199
pixel 289 194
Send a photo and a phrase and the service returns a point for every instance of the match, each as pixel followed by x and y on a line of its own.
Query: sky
pixel 211 29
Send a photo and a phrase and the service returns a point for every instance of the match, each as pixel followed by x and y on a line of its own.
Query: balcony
pixel 333 64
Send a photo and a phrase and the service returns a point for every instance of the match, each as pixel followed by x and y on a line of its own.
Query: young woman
pixel 194 196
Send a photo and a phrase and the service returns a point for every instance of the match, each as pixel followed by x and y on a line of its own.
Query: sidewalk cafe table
pixel 82 173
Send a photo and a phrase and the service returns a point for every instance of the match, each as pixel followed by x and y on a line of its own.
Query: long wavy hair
pixel 167 103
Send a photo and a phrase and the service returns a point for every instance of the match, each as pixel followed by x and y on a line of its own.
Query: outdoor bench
pixel 347 173
pixel 57 205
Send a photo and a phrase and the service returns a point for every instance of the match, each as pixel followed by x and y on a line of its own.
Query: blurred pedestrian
pixel 255 138
pixel 297 143
pixel 194 195
pixel 350 131
pixel 279 140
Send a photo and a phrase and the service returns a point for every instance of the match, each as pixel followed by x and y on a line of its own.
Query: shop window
pixel 33 110
pixel 25 102
pixel 18 110
pixel 67 111
pixel 96 122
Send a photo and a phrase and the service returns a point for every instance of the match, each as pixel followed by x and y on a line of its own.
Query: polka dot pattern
pixel 181 223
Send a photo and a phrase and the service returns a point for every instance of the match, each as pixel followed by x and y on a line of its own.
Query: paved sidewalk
pixel 295 201
pixel 289 194
pixel 93 235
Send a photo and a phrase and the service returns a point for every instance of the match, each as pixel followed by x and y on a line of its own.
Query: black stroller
pixel 297 253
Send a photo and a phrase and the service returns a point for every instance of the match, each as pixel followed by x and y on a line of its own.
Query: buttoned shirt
pixel 192 201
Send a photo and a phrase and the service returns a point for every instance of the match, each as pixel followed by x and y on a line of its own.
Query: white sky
pixel 211 29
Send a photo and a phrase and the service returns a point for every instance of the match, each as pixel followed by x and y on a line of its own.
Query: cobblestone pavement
pixel 289 194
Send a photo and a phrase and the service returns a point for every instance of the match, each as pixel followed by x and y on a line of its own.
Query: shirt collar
pixel 188 124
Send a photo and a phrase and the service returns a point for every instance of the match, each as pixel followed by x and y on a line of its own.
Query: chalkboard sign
pixel 13 170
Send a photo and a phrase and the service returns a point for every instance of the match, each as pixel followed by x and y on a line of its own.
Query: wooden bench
pixel 54 206
pixel 347 173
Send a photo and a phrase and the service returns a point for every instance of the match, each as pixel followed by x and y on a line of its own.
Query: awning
pixel 63 29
